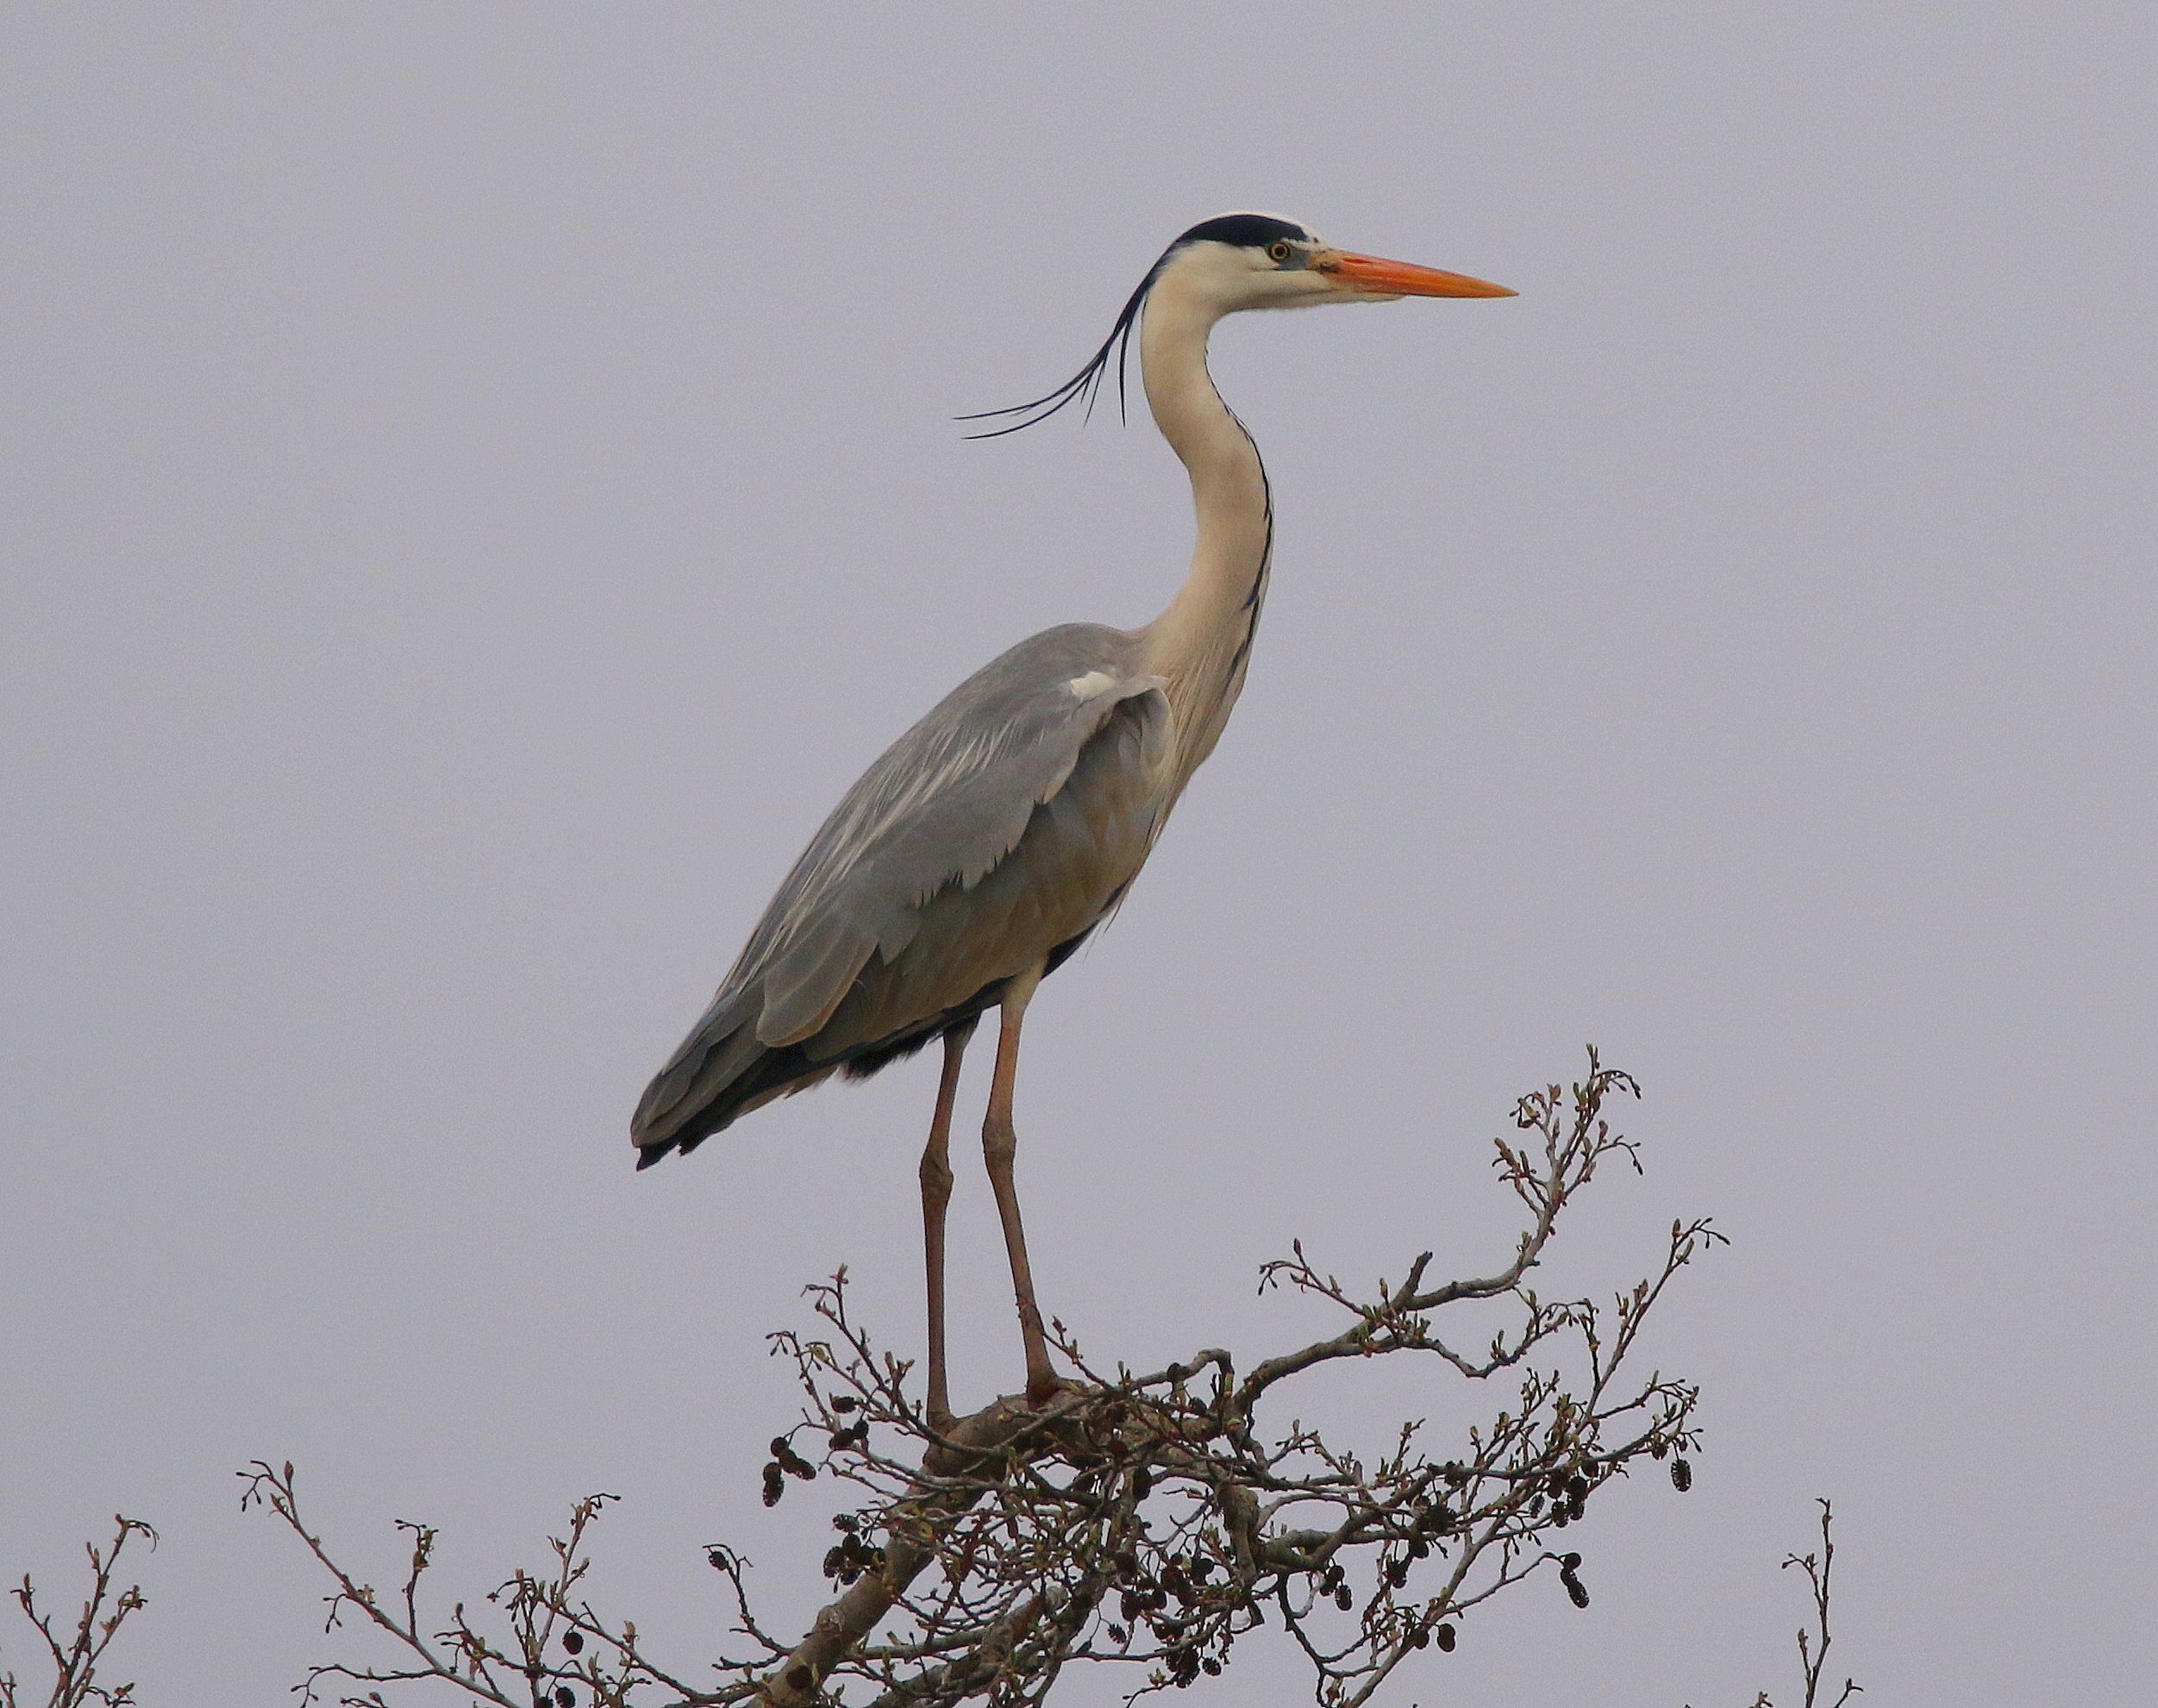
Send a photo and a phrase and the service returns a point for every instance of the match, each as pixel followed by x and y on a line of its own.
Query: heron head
pixel 1263 262
pixel 1234 262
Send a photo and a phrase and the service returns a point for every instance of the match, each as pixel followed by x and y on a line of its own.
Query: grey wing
pixel 935 816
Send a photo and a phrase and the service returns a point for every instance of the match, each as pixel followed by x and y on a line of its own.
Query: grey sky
pixel 478 483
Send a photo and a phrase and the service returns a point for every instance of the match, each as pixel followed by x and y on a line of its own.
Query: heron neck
pixel 1201 643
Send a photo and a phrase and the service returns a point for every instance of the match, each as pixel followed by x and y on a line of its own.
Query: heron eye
pixel 1279 252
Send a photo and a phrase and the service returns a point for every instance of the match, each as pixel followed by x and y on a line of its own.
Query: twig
pixel 76 1656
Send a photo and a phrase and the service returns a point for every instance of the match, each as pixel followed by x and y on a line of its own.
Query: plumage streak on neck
pixel 1201 643
pixel 1255 600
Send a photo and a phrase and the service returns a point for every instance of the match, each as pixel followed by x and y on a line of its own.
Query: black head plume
pixel 1242 230
pixel 1087 381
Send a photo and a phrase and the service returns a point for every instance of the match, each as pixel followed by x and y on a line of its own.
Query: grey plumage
pixel 993 835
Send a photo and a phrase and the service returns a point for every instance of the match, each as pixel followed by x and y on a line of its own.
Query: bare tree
pixel 1143 1521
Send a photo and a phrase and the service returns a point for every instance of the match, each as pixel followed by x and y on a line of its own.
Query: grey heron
pixel 989 841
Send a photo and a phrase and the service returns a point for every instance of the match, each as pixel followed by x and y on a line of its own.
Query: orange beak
pixel 1369 276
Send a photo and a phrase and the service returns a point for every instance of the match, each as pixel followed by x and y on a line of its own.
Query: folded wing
pixel 994 832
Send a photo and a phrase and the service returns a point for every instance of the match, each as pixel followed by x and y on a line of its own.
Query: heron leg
pixel 999 1142
pixel 936 1193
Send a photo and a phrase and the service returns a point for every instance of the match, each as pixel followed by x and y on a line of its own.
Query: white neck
pixel 1201 643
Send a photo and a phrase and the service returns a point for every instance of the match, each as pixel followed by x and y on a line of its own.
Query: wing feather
pixel 942 807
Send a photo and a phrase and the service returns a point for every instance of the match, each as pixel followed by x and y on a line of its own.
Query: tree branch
pixel 76 1656
pixel 1143 1521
